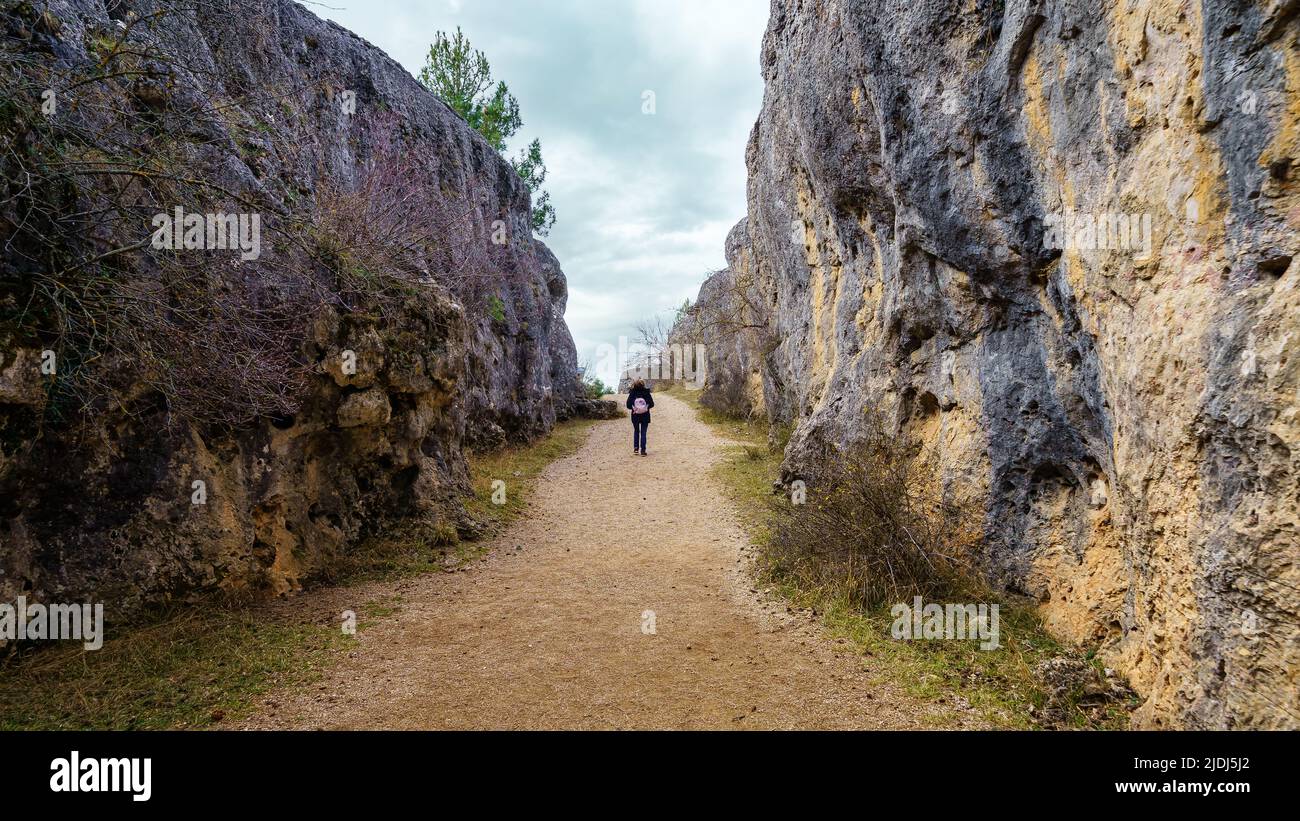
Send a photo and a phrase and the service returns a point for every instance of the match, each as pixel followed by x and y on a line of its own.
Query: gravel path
pixel 552 630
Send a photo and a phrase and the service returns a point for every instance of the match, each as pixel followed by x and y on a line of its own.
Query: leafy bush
pixel 595 387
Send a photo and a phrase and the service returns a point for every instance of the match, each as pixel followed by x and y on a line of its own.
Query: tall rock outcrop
pixel 935 201
pixel 198 414
pixel 730 321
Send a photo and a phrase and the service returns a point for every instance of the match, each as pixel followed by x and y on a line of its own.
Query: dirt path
pixel 548 632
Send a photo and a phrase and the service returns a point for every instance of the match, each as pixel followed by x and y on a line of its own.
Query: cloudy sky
pixel 644 202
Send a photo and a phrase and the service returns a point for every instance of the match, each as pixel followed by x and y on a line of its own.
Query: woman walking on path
pixel 639 401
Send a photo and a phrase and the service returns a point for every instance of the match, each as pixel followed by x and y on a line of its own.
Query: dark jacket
pixel 644 393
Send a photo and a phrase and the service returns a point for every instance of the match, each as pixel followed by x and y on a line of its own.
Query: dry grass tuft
pixel 876 528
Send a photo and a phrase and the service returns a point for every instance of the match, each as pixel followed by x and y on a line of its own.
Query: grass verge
pixel 519 468
pixel 183 670
pixel 1000 684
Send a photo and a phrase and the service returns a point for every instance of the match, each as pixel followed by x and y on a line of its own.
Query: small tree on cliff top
pixel 462 77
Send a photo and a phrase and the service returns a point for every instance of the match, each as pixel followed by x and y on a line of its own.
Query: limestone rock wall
pixel 357 172
pixel 922 182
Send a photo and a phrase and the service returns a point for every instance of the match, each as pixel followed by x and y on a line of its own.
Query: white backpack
pixel 639 405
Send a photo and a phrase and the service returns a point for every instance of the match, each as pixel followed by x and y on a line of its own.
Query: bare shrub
pixel 209 342
pixel 219 348
pixel 739 309
pixel 395 231
pixel 212 340
pixel 876 528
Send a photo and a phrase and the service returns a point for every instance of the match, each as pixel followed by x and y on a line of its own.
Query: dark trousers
pixel 639 429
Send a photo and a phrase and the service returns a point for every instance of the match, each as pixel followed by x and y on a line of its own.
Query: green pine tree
pixel 462 77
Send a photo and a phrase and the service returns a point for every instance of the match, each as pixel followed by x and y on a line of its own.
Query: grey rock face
pixel 565 384
pixel 1126 412
pixel 593 409
pixel 731 321
pixel 406 334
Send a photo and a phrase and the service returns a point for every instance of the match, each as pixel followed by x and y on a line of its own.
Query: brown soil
pixel 547 631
